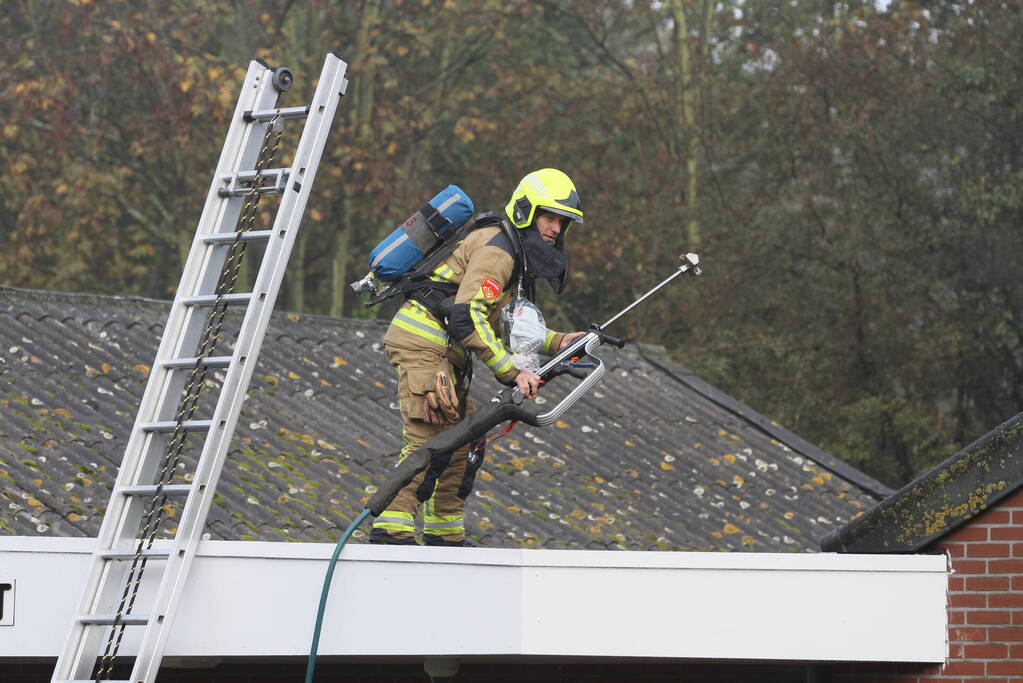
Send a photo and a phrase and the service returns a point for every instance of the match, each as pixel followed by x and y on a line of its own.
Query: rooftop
pixel 653 459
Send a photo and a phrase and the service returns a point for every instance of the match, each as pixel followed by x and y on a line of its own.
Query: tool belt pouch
pixel 525 332
pixel 433 394
pixel 420 382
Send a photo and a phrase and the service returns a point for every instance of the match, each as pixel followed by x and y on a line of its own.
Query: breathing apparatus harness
pixel 577 360
pixel 438 296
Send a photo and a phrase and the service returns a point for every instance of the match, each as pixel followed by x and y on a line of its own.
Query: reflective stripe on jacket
pixel 482 266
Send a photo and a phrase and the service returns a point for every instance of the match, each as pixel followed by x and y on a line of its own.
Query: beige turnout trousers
pixel 442 490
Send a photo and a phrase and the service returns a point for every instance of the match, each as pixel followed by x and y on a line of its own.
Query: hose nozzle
pixel 691 263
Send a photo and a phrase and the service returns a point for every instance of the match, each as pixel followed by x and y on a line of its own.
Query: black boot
pixel 379 536
pixel 430 539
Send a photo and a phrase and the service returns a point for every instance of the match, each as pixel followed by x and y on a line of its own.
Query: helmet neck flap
pixel 542 260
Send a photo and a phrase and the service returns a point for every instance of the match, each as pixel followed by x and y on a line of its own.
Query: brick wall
pixel 985 606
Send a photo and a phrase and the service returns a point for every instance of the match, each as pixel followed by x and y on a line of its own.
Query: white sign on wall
pixel 7 602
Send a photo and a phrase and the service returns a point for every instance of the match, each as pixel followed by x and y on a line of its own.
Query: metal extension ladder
pixel 167 414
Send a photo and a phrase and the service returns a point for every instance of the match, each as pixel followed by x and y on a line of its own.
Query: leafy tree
pixel 851 177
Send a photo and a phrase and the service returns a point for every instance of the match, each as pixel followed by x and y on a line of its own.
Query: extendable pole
pixel 690 264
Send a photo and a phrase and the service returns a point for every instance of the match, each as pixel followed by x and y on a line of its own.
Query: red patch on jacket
pixel 490 289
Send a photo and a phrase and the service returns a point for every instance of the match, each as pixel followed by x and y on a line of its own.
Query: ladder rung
pixel 130 554
pixel 108 619
pixel 150 490
pixel 206 361
pixel 266 174
pixel 247 236
pixel 267 114
pixel 211 299
pixel 266 181
pixel 170 425
pixel 242 191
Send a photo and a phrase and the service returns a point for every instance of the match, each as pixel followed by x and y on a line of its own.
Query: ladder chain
pixel 156 506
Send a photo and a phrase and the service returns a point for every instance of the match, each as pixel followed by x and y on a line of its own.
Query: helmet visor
pixel 561 212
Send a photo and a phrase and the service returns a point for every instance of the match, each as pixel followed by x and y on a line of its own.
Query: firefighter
pixel 456 314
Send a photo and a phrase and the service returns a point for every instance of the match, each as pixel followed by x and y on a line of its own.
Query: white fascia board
pixel 246 599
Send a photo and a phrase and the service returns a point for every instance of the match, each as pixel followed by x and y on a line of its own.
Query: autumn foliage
pixel 852 176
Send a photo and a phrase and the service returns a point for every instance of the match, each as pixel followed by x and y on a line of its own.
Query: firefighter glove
pixel 442 403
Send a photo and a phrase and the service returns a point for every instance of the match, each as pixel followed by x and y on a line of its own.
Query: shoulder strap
pixel 414 278
pixel 518 252
pixel 521 267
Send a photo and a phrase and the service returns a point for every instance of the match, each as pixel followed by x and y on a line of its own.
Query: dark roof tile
pixel 652 459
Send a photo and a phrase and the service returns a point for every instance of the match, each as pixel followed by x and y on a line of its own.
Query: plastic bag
pixel 525 332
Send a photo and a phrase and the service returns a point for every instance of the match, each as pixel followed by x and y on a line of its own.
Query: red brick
pixel 1016 651
pixel 956 617
pixel 962 668
pixel 1005 668
pixel 970 566
pixel 995 516
pixel 1017 516
pixel 1005 566
pixel 956 550
pixel 1007 533
pixel 1013 501
pixel 988 550
pixel 1017 583
pixel 1017 549
pixel 967 533
pixel 969 635
pixel 1005 635
pixel 969 600
pixel 984 680
pixel 988 616
pixel 1017 618
pixel 955 650
pixel 988 583
pixel 956 583
pixel 1005 600
pixel 986 651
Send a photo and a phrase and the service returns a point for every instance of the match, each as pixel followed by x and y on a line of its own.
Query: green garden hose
pixel 311 665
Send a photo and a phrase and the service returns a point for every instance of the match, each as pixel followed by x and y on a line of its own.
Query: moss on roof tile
pixel 315 403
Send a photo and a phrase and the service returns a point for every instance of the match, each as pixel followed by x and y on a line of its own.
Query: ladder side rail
pixel 219 214
pixel 330 87
pixel 256 92
pixel 185 323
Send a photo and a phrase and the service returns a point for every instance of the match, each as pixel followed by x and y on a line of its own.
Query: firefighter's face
pixel 549 225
